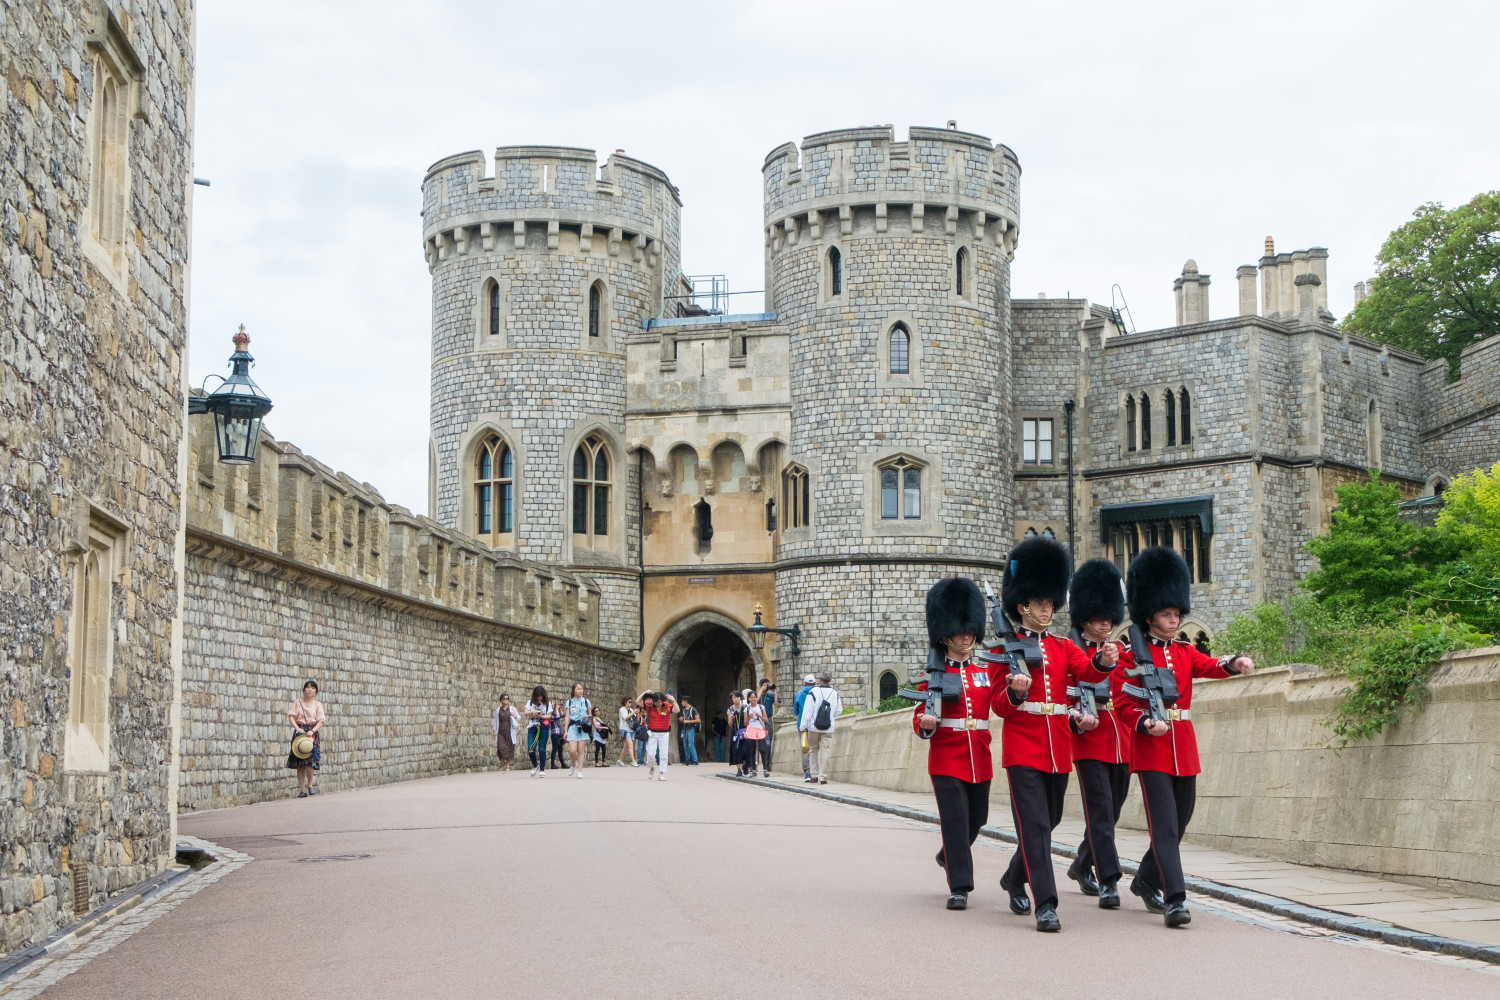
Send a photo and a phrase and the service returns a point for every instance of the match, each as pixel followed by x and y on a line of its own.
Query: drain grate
pixel 331 857
pixel 80 889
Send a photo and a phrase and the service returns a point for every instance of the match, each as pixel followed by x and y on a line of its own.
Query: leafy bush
pixel 1469 586
pixel 1298 630
pixel 892 703
pixel 1392 673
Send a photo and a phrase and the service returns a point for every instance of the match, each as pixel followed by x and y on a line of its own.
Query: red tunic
pixel 1176 752
pixel 961 753
pixel 1110 740
pixel 1044 741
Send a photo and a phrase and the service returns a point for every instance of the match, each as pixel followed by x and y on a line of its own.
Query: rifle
pixel 940 684
pixel 1017 655
pixel 1157 686
pixel 1088 695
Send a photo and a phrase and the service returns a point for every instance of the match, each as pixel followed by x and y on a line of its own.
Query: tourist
pixel 307 718
pixel 538 712
pixel 601 736
pixel 580 728
pixel 798 700
pixel 1101 756
pixel 657 707
pixel 688 723
pixel 1036 741
pixel 757 736
pixel 721 732
pixel 627 733
pixel 735 723
pixel 768 699
pixel 505 725
pixel 820 710
pixel 1164 751
pixel 558 733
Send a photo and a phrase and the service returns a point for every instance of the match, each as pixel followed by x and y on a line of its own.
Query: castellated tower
pixel 888 263
pixel 539 272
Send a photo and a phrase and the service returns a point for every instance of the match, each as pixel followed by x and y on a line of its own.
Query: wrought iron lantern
pixel 238 406
pixel 760 630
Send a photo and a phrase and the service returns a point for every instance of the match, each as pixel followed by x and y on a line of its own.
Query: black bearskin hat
pixel 1037 569
pixel 1097 591
pixel 954 606
pixel 1158 578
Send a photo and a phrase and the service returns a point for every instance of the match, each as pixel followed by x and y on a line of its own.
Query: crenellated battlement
pixel 292 506
pixel 537 193
pixel 935 181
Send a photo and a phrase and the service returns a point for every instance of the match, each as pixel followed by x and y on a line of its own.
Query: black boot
pixel 1109 896
pixel 941 862
pixel 1151 897
pixel 1084 876
pixel 1046 918
pixel 958 900
pixel 1020 903
pixel 1177 915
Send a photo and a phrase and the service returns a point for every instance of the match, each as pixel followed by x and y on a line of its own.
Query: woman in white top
pixel 757 735
pixel 538 712
pixel 627 730
pixel 504 723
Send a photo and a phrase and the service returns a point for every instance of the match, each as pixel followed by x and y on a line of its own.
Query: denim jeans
pixel 640 751
pixel 719 750
pixel 690 745
pixel 537 742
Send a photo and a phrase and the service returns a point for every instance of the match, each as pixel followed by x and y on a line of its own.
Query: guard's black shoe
pixel 1177 915
pixel 1020 903
pixel 1084 876
pixel 1046 918
pixel 958 900
pixel 1151 897
pixel 1109 896
pixel 941 863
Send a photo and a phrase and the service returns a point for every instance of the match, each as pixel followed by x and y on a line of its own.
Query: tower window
pixel 797 496
pixel 591 488
pixel 900 491
pixel 900 350
pixel 835 271
pixel 594 302
pixel 1145 422
pixel 1373 443
pixel 1171 414
pixel 1036 442
pixel 771 514
pixel 1186 424
pixel 960 262
pixel 1130 423
pixel 494 491
pixel 494 296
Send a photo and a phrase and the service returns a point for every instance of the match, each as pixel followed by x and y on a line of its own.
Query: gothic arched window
pixel 591 488
pixel 494 490
pixel 888 685
pixel 1186 423
pixel 900 491
pixel 900 350
pixel 797 496
pixel 1171 414
pixel 960 262
pixel 494 303
pixel 1130 423
pixel 1373 443
pixel 1145 422
pixel 835 271
pixel 595 300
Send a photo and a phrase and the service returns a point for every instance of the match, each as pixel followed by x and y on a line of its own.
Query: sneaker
pixel 532 774
pixel 578 774
pixel 312 791
pixel 662 776
pixel 822 781
pixel 541 774
pixel 807 777
pixel 301 795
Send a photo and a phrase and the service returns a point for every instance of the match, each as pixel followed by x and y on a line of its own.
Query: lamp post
pixel 238 406
pixel 759 631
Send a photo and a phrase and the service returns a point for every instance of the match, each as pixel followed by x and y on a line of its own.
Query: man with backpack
pixel 819 710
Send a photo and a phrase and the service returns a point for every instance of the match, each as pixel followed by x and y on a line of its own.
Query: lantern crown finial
pixel 241 339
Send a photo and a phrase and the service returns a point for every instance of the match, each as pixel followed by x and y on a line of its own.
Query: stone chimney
pixel 1270 290
pixel 1309 290
pixel 1191 291
pixel 1246 278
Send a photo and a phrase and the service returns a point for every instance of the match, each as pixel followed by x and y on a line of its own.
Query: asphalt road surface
pixel 499 885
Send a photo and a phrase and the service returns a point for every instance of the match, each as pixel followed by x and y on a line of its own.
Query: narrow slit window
pixel 595 300
pixel 1186 424
pixel 959 263
pixel 1130 423
pixel 1145 422
pixel 835 271
pixel 900 350
pixel 494 309
pixel 1171 415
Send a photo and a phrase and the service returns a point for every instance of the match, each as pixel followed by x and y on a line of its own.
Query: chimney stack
pixel 1191 291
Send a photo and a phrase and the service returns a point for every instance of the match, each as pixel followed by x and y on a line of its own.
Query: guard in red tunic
pixel 1096 604
pixel 1036 743
pixel 958 754
pixel 1156 703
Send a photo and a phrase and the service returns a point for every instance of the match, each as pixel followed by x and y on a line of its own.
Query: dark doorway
pixel 713 666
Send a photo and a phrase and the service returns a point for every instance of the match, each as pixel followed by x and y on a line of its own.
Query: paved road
pixel 490 885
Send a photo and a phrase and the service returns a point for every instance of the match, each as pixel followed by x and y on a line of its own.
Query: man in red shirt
pixel 1096 604
pixel 958 753
pixel 1164 751
pixel 1036 744
pixel 658 707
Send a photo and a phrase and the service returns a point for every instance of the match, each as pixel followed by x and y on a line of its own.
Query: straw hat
pixel 302 746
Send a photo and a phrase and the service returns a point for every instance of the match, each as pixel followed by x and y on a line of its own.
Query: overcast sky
pixel 1148 133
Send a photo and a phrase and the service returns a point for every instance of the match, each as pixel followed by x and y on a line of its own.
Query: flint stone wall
pixel 1418 803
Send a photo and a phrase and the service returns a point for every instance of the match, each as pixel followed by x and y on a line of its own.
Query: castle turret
pixel 539 271
pixel 888 263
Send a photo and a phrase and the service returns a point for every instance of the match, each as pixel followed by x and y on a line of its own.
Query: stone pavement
pixel 487 884
pixel 1431 911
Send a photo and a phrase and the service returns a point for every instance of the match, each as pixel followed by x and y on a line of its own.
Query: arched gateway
pixel 706 656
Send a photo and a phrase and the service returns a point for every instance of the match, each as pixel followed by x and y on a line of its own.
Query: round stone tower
pixel 889 265
pixel 540 272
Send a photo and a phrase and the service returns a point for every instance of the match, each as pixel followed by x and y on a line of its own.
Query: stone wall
pixel 1419 802
pixel 1461 426
pixel 94 279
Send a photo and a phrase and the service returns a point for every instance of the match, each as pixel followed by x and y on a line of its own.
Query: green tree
pixel 1469 585
pixel 1370 562
pixel 1438 287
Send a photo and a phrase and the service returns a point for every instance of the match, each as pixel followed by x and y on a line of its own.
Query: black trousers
pixel 1103 788
pixel 963 807
pixel 1036 805
pixel 1169 807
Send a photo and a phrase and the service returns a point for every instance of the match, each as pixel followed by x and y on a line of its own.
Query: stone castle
pixel 892 414
pixel 620 478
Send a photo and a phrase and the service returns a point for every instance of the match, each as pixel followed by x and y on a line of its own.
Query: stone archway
pixel 706 656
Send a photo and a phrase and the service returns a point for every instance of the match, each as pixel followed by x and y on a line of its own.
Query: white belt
pixel 964 723
pixel 1043 708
